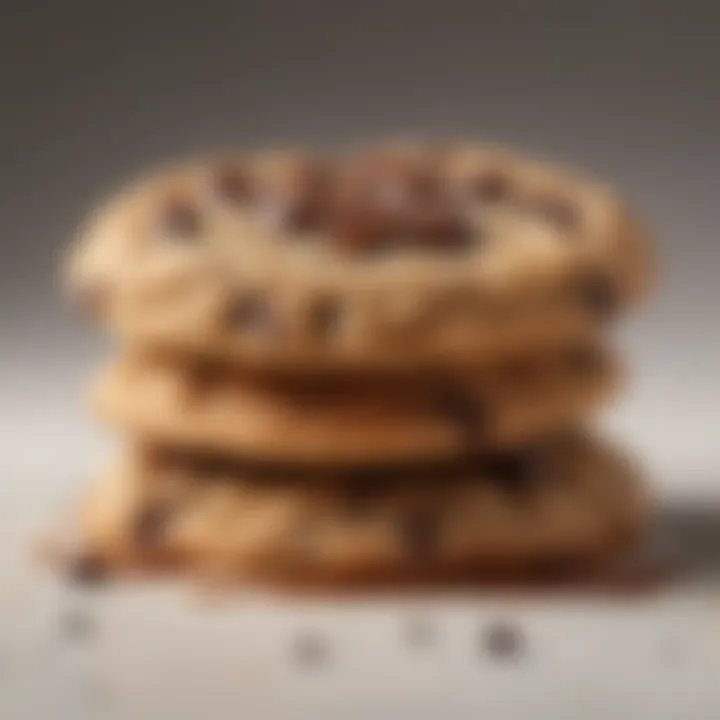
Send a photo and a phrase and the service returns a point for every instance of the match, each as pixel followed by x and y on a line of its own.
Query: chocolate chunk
pixel 87 569
pixel 600 295
pixel 492 187
pixel 359 229
pixel 150 524
pixel 304 213
pixel 251 312
pixel 181 219
pixel 503 641
pixel 514 471
pixel 420 534
pixel 232 184
pixel 299 201
pixel 439 227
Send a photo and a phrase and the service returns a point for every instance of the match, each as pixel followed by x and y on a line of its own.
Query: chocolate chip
pixel 503 641
pixel 359 229
pixel 558 211
pixel 310 649
pixel 420 534
pixel 232 184
pixel 87 569
pixel 600 295
pixel 439 227
pixel 464 410
pixel 150 523
pixel 325 318
pixel 181 219
pixel 305 214
pixel 514 471
pixel 492 187
pixel 251 312
pixel 299 199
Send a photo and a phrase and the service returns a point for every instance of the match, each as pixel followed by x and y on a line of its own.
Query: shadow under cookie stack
pixel 382 365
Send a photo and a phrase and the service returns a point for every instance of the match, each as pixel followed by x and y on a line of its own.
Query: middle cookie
pixel 364 421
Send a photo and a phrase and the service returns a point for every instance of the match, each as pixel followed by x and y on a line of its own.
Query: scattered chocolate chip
pixel 76 624
pixel 492 187
pixel 251 312
pixel 558 211
pixel 600 295
pixel 503 641
pixel 310 649
pixel 420 534
pixel 181 219
pixel 232 184
pixel 87 569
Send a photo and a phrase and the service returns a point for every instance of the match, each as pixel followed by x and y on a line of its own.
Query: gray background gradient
pixel 93 92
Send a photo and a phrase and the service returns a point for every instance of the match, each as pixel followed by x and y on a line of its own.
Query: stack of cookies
pixel 381 364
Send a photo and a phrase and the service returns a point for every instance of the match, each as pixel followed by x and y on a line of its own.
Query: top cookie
pixel 385 257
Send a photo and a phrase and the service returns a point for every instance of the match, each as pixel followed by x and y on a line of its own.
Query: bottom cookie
pixel 562 504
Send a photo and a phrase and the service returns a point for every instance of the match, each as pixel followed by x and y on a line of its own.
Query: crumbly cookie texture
pixel 569 500
pixel 385 257
pixel 361 421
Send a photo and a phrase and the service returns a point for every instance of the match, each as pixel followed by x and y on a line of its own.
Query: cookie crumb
pixel 77 625
pixel 87 570
pixel 310 649
pixel 504 641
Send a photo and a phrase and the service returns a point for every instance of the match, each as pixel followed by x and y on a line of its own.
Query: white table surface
pixel 159 651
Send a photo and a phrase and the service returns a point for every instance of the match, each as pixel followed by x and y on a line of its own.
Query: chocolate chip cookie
pixel 354 421
pixel 382 258
pixel 569 498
